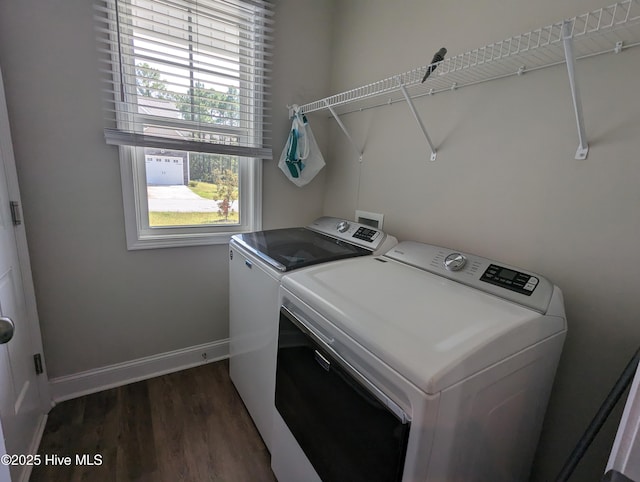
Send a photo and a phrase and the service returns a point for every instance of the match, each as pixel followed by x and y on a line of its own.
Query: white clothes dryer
pixel 420 365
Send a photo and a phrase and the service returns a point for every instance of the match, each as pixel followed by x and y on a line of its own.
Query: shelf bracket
pixel 344 129
pixel 583 148
pixel 403 89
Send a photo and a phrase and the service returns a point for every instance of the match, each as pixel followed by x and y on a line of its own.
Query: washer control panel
pixel 366 234
pixel 512 280
pixel 354 233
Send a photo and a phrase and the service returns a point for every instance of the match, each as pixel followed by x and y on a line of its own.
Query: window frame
pixel 139 234
pixel 142 236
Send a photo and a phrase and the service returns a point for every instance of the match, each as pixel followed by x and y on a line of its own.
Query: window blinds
pixel 186 74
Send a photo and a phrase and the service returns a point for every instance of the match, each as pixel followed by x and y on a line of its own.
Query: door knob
pixel 6 329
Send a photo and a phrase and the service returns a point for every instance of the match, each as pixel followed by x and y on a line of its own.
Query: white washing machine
pixel 257 262
pixel 419 365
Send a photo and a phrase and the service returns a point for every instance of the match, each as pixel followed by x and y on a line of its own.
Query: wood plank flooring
pixel 186 426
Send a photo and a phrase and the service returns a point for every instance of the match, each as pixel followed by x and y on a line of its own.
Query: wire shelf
pixel 609 29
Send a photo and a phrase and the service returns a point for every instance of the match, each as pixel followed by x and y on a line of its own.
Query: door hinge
pixel 15 213
pixel 37 360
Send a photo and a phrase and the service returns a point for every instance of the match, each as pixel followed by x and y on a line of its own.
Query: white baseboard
pixel 91 381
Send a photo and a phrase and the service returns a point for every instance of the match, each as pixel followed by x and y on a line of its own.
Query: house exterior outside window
pixel 187 84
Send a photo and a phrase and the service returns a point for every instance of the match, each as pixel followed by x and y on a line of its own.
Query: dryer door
pixel 338 421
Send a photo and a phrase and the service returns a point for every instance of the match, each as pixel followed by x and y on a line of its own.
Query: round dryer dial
pixel 455 261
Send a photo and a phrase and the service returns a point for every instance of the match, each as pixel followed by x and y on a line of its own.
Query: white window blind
pixel 187 74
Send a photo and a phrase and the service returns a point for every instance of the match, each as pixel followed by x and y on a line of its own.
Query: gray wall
pixel 506 184
pixel 100 304
pixel 302 56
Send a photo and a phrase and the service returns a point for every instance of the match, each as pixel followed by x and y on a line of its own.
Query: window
pixel 186 98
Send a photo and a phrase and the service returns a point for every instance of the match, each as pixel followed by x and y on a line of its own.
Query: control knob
pixel 343 226
pixel 455 261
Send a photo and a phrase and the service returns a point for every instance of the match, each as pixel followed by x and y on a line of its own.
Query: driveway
pixel 180 199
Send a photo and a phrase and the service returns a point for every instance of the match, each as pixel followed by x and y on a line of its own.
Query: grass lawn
pixel 205 190
pixel 189 219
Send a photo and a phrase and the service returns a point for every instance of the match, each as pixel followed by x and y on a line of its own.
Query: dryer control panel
pixel 513 284
pixel 510 279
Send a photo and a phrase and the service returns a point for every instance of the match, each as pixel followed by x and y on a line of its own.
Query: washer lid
pixel 292 248
pixel 432 330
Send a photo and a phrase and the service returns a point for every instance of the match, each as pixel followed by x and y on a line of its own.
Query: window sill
pixel 164 241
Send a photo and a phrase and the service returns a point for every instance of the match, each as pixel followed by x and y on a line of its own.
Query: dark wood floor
pixel 186 426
